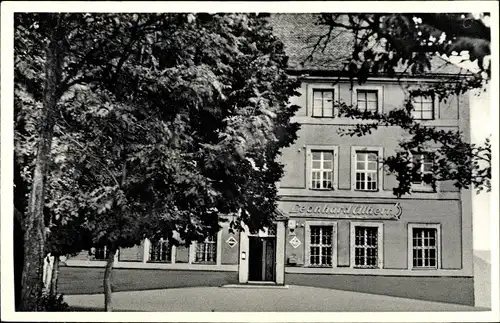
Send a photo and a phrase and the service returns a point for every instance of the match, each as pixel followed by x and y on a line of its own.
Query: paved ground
pixel 482 280
pixel 221 299
pixel 155 290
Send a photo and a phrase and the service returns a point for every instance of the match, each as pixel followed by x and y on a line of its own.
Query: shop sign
pixel 231 242
pixel 349 210
pixel 295 242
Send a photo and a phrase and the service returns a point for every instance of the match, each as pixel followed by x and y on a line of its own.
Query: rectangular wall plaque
pixel 348 210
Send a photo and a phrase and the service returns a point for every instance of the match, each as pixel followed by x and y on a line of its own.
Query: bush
pixel 53 303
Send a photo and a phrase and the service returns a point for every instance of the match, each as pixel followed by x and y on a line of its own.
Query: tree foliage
pixel 383 42
pixel 466 165
pixel 164 123
pixel 405 44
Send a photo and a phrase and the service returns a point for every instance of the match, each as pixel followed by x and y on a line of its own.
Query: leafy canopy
pixel 165 123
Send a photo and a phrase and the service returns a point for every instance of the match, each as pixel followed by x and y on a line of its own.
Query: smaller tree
pixel 382 43
pixel 466 165
pixel 67 237
pixel 409 44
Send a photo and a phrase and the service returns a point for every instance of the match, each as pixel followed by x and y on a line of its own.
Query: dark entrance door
pixel 261 259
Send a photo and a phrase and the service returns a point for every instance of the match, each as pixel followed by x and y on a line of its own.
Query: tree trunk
pixel 34 226
pixel 47 271
pixel 108 302
pixel 18 260
pixel 55 276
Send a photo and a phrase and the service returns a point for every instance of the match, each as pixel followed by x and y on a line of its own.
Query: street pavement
pixel 265 299
pixel 156 291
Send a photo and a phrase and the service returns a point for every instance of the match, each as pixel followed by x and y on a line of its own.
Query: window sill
pixel 423 268
pixel 203 263
pixel 317 266
pixel 129 260
pixel 423 189
pixel 159 261
pixel 366 191
pixel 322 189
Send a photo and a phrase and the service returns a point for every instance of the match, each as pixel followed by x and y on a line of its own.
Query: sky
pixel 481 127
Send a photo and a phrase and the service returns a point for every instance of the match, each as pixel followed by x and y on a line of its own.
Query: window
pixel 366 171
pixel 160 251
pixel 323 105
pixel 321 246
pixel 368 97
pixel 367 100
pixel 423 108
pixel 101 253
pixel 366 245
pixel 320 243
pixel 424 241
pixel 321 169
pixel 424 162
pixel 206 251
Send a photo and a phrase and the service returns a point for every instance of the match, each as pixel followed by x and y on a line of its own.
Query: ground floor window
pixel 424 246
pixel 100 253
pixel 366 245
pixel 160 251
pixel 320 244
pixel 206 251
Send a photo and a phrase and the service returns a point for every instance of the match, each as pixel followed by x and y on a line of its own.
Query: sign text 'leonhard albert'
pixel 349 210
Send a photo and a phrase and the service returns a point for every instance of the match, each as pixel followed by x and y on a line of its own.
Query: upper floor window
pixel 424 162
pixel 423 108
pixel 323 103
pixel 367 100
pixel 207 251
pixel 322 169
pixel 368 97
pixel 366 170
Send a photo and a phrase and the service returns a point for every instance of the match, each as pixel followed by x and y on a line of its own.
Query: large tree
pixel 406 44
pixel 161 123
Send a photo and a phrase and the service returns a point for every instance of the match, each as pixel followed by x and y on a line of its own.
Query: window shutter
pixel 307 251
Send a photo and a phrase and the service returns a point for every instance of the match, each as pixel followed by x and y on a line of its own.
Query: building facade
pixel 340 225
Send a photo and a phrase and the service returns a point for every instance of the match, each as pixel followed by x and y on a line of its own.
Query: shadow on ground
pixel 80 280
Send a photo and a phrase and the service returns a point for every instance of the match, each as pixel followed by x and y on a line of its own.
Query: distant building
pixel 340 225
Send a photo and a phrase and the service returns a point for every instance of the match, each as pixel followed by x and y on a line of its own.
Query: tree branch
pixel 90 154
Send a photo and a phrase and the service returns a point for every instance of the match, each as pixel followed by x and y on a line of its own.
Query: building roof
pixel 300 32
